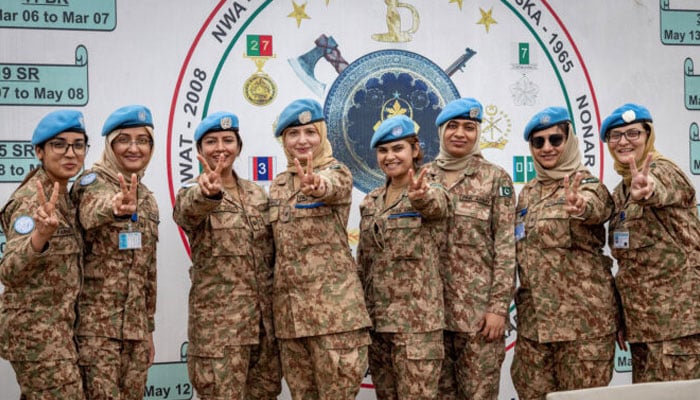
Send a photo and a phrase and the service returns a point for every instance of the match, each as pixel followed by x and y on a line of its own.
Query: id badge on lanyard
pixel 621 236
pixel 130 239
pixel 520 226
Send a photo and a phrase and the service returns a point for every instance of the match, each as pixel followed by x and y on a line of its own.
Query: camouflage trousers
pixel 49 380
pixel 113 368
pixel 471 368
pixel 541 368
pixel 250 372
pixel 327 367
pixel 669 360
pixel 406 365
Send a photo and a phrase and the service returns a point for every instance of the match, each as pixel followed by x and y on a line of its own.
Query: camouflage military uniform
pixel 230 329
pixel 567 313
pixel 659 275
pixel 37 307
pixel 398 255
pixel 478 274
pixel 318 303
pixel 118 300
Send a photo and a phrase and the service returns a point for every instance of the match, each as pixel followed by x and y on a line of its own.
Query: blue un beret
pixel 218 121
pixel 128 117
pixel 392 129
pixel 624 115
pixel 546 118
pixel 299 112
pixel 466 108
pixel 56 122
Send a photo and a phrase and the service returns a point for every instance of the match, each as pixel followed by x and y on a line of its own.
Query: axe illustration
pixel 304 65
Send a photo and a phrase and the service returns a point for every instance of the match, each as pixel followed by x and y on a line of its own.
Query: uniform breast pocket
pixel 229 234
pixel 642 231
pixel 313 225
pixel 64 241
pixel 471 222
pixel 552 228
pixel 403 237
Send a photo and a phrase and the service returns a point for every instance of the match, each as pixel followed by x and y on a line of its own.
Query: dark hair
pixel 235 131
pixel 418 159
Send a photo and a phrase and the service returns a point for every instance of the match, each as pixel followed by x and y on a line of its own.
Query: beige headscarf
pixel 108 163
pixel 323 154
pixel 449 162
pixel 569 161
pixel 623 168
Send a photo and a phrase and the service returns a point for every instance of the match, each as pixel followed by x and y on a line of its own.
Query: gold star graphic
pixel 299 13
pixel 459 3
pixel 486 18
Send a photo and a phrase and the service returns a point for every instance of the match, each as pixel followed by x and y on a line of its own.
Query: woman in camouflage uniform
pixel 41 266
pixel 654 236
pixel 567 313
pixel 120 224
pixel 320 316
pixel 478 264
pixel 401 230
pixel 230 312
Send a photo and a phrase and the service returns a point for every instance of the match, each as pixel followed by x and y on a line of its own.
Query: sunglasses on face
pixel 555 140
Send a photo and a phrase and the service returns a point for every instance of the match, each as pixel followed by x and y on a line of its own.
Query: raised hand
pixel 125 200
pixel 210 182
pixel 575 202
pixel 45 216
pixel 641 185
pixel 311 183
pixel 418 187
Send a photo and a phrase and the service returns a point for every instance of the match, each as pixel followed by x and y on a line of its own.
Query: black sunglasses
pixel 555 140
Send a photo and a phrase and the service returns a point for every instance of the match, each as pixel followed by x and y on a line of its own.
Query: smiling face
pixel 61 165
pixel 396 158
pixel 220 145
pixel 299 141
pixel 553 140
pixel 460 136
pixel 132 148
pixel 627 142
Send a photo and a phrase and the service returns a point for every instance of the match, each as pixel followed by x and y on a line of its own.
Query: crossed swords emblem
pixel 327 48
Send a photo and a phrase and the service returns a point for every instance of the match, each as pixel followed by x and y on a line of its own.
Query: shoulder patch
pixel 589 180
pixel 88 179
pixel 505 191
pixel 24 224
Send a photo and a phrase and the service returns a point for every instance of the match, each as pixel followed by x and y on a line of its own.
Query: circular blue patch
pixel 88 179
pixel 24 224
pixel 377 86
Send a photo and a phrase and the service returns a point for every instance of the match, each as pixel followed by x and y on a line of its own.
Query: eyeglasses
pixel 555 140
pixel 61 147
pixel 125 141
pixel 630 134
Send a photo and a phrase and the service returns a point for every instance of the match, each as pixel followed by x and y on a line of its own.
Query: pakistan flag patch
pixel 505 191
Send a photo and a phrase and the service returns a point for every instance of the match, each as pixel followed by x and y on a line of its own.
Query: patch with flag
pixel 262 168
pixel 505 191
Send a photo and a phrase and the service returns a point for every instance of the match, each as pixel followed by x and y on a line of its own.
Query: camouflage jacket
pixel 398 255
pixel 478 263
pixel 566 285
pixel 37 307
pixel 316 287
pixel 232 260
pixel 119 290
pixel 659 273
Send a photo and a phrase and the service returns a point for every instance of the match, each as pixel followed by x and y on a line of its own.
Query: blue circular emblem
pixel 24 224
pixel 376 86
pixel 88 179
